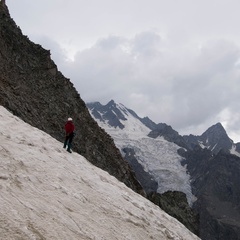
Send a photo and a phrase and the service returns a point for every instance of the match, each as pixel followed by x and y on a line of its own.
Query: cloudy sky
pixel 176 61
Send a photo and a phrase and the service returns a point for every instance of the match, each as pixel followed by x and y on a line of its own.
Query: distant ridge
pixel 214 138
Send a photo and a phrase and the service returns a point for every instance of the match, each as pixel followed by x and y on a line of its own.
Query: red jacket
pixel 69 127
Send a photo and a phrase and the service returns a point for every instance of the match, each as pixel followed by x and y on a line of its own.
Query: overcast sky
pixel 175 61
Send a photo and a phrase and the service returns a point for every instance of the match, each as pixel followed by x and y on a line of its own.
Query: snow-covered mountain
pixel 158 156
pixel 211 159
pixel 154 147
pixel 47 193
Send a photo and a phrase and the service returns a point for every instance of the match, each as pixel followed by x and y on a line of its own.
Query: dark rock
pixel 214 138
pixel 215 183
pixel 175 204
pixel 169 134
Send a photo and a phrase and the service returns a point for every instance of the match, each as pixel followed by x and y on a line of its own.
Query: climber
pixel 69 128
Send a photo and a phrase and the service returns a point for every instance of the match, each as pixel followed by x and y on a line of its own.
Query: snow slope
pixel 158 156
pixel 47 193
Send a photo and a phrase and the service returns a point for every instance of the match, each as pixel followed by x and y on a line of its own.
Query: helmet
pixel 69 119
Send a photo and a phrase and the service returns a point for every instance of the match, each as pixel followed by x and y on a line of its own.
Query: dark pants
pixel 68 141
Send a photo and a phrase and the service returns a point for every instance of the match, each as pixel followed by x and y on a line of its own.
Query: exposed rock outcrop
pixel 215 181
pixel 175 204
pixel 166 131
pixel 214 138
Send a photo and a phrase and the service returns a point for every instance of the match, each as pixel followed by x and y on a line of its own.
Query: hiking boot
pixel 69 150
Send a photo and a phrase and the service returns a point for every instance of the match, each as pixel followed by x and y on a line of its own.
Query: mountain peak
pixel 109 113
pixel 218 126
pixel 118 116
pixel 111 103
pixel 216 130
pixel 216 138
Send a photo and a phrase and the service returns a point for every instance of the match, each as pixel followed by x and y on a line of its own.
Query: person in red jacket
pixel 69 128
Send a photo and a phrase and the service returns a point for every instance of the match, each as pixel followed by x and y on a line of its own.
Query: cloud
pixel 146 44
pixel 185 91
pixel 209 86
pixel 174 62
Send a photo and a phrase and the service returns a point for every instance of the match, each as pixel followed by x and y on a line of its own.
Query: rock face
pixel 214 138
pixel 33 89
pixel 175 204
pixel 215 183
pixel 166 131
pixel 214 179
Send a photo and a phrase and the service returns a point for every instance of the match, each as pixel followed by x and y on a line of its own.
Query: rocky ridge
pixel 32 87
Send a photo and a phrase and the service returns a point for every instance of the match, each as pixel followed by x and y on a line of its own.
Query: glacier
pixel 158 156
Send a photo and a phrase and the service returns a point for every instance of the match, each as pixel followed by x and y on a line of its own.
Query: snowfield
pixel 48 193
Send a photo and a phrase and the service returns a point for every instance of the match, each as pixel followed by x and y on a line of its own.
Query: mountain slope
pixel 33 89
pixel 215 183
pixel 211 161
pixel 157 156
pixel 47 193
